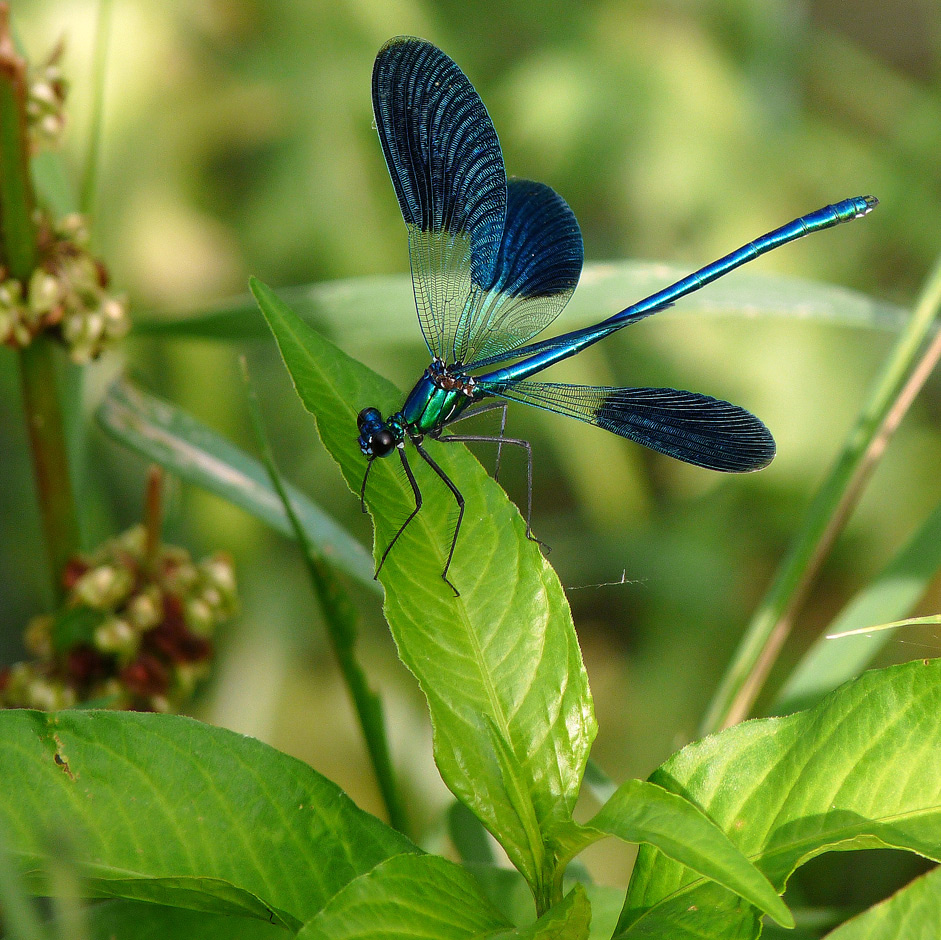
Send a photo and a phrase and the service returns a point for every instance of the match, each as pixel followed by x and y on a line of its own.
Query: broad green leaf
pixel 375 310
pixel 408 897
pixel 913 913
pixel 184 446
pixel 642 812
pixel 499 665
pixel 169 810
pixel 135 920
pixel 889 597
pixel 859 770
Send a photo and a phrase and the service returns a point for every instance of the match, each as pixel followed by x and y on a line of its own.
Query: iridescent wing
pixel 536 272
pixel 447 169
pixel 694 428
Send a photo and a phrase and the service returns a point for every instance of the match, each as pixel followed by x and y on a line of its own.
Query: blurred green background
pixel 238 140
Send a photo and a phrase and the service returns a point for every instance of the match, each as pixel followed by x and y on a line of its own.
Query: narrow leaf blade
pixel 642 812
pixel 370 311
pixel 184 446
pixel 888 597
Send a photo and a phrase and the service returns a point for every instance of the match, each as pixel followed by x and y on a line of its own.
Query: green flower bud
pixel 38 637
pixel 103 587
pixel 199 616
pixel 145 610
pixel 45 293
pixel 117 321
pixel 21 333
pixel 11 293
pixel 116 635
pixel 181 577
pixel 6 324
pixel 133 541
pixel 49 695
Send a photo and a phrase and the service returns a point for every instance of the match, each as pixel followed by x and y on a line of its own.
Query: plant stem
pixel 20 255
pixel 892 394
pixel 153 517
pixel 43 414
pixel 99 73
pixel 17 231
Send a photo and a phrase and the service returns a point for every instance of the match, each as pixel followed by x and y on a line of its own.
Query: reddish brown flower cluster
pixel 135 631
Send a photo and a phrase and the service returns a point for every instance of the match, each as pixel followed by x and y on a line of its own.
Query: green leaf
pixel 859 770
pixel 568 920
pixel 499 665
pixel 902 375
pixel 642 812
pixel 913 913
pixel 122 920
pixel 408 897
pixel 889 597
pixel 20 917
pixel 184 446
pixel 166 809
pixel 74 625
pixel 370 311
pixel 468 836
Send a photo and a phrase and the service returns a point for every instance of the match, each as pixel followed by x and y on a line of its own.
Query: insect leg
pixel 499 441
pixel 412 514
pixel 496 469
pixel 460 512
pixel 473 412
pixel 362 489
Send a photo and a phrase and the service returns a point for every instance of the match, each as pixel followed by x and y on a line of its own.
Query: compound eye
pixel 383 442
pixel 368 416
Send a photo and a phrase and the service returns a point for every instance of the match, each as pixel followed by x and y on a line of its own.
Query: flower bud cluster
pixel 45 102
pixel 67 295
pixel 133 633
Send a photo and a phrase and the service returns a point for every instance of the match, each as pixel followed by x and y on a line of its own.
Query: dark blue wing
pixel 447 169
pixel 695 428
pixel 537 270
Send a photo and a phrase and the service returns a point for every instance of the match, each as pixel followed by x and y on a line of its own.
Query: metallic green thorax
pixel 438 398
pixel 429 407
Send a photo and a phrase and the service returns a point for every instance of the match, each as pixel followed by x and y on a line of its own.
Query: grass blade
pixel 342 621
pixel 184 446
pixel 891 395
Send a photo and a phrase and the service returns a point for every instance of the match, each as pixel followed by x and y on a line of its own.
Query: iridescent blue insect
pixel 493 264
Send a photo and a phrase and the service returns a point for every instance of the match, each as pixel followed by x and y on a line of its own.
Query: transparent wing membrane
pixel 691 427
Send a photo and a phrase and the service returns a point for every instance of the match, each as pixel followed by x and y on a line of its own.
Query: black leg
pixel 496 468
pixel 481 438
pixel 473 412
pixel 460 512
pixel 417 492
pixel 362 489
